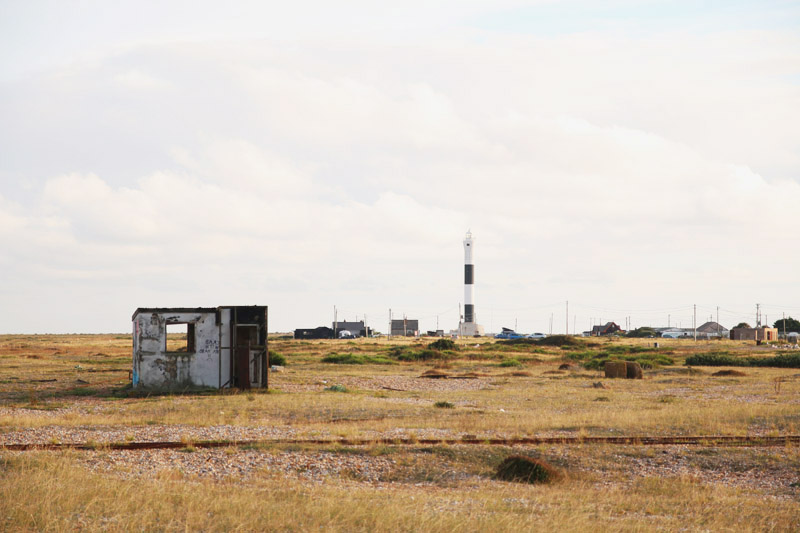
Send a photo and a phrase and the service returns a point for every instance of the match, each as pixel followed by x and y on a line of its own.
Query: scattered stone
pixel 276 368
pixel 599 385
pixel 566 366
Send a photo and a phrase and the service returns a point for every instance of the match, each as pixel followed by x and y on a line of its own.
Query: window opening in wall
pixel 181 338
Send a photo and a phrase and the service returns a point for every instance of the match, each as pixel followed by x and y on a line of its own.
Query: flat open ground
pixel 57 390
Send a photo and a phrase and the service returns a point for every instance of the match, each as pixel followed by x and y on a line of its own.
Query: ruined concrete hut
pixel 224 347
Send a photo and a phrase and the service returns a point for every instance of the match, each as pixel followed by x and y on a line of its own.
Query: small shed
pixel 754 334
pixel 223 347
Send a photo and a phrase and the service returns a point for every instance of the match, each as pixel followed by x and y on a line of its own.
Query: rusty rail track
pixel 701 440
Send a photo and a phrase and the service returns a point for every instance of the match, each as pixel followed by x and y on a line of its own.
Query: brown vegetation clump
pixel 566 366
pixel 435 374
pixel 623 369
pixel 633 370
pixel 527 470
pixel 616 369
pixel 729 373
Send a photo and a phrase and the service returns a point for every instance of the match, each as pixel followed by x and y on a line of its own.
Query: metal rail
pixel 702 440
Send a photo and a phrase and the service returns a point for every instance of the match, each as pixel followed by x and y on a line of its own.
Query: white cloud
pixel 639 169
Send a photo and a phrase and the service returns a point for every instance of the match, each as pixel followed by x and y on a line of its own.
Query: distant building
pixel 609 328
pixel 314 333
pixel 710 330
pixel 675 333
pixel 405 327
pixel 354 329
pixel 754 334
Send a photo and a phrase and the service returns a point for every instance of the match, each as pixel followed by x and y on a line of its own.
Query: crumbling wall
pixel 155 367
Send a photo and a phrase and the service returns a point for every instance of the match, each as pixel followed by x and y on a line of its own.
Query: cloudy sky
pixel 635 159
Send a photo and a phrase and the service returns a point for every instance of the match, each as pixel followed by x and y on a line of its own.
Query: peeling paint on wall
pixel 207 358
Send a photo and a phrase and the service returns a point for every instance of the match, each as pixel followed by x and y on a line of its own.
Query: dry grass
pixel 62 387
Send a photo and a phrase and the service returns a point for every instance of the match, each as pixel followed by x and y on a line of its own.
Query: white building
pixel 224 347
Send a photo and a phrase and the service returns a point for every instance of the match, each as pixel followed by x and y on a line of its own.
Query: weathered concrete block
pixel 616 369
pixel 633 370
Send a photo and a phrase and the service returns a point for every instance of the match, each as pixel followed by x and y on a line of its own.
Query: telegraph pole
pixel 694 322
pixel 566 326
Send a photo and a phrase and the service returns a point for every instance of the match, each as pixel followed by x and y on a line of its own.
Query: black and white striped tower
pixel 469 280
pixel 470 327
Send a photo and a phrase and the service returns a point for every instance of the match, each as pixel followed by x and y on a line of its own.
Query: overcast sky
pixel 634 159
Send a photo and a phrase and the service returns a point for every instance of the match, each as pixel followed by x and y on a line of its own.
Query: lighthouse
pixel 469 327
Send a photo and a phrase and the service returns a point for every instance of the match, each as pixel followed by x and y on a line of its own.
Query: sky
pixel 615 161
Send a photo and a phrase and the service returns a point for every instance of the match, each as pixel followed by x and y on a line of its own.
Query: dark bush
pixel 443 344
pixel 715 359
pixel 276 358
pixel 526 470
pixel 784 360
pixel 403 353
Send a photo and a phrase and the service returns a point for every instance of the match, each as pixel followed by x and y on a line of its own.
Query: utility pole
pixel 390 323
pixel 719 334
pixel 566 326
pixel 694 322
pixel 335 323
pixel 366 328
pixel 784 324
pixel 551 323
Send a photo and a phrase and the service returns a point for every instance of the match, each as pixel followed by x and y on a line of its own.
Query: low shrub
pixel 404 353
pixel 276 358
pixel 355 359
pixel 336 388
pixel 443 344
pixel 560 340
pixel 784 360
pixel 444 405
pixel 527 470
pixel 647 359
pixel 510 362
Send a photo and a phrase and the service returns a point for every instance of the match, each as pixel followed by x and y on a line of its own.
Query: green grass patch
pixel 405 353
pixel 276 358
pixel 356 359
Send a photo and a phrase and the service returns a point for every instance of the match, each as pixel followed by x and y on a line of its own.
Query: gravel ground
pixel 771 471
pixel 398 383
